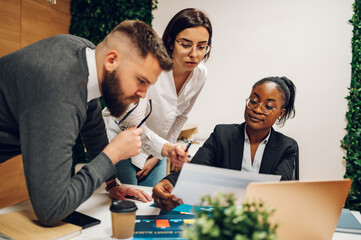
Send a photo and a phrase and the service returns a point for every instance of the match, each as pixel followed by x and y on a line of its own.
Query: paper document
pixel 197 180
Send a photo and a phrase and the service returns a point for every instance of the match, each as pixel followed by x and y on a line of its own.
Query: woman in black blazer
pixel 252 146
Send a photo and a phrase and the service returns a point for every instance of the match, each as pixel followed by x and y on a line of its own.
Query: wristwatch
pixel 112 184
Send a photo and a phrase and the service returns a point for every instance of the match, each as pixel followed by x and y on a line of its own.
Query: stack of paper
pixel 197 180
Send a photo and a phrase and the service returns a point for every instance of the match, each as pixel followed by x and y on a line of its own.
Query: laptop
pixel 303 210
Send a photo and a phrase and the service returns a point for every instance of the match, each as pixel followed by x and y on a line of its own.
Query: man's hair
pixel 146 40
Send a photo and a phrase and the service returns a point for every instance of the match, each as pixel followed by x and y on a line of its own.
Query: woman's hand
pixel 162 196
pixel 149 165
pixel 176 153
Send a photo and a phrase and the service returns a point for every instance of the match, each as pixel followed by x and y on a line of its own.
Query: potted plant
pixel 228 221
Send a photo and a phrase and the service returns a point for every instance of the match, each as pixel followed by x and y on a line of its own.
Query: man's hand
pixel 120 192
pixel 176 153
pixel 149 165
pixel 162 196
pixel 125 145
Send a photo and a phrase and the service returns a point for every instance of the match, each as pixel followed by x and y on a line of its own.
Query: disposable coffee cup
pixel 123 219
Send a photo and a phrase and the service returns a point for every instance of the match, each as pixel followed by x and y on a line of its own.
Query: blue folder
pixel 347 223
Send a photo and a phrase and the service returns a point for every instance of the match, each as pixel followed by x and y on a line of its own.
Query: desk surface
pixel 98 206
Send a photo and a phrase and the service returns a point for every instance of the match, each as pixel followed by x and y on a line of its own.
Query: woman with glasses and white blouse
pixel 188 39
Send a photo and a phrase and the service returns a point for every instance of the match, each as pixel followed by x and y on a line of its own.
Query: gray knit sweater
pixel 43 108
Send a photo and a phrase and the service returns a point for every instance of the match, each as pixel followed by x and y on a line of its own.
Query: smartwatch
pixel 112 184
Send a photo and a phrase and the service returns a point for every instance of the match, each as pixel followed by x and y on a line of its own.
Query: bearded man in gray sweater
pixel 49 95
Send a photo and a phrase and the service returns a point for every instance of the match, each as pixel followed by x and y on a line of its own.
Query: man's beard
pixel 113 95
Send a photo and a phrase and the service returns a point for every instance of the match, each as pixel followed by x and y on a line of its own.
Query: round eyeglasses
pixel 188 47
pixel 266 109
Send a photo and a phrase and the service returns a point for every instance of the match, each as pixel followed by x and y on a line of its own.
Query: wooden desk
pixel 12 182
pixel 98 206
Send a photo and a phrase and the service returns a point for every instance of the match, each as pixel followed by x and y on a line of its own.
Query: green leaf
pixel 352 140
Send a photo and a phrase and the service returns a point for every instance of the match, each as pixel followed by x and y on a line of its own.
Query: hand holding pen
pixel 176 153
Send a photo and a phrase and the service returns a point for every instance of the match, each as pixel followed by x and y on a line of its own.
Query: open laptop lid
pixel 303 210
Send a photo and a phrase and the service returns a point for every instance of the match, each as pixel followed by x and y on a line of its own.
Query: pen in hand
pixel 189 144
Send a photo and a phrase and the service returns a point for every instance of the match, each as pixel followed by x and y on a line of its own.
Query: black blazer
pixel 224 148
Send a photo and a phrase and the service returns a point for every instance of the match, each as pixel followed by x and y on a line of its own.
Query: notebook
pixel 303 210
pixel 163 226
pixel 24 225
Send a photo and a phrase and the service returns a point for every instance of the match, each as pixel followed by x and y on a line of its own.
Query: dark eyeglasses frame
pixel 130 111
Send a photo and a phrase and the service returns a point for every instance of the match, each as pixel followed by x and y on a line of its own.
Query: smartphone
pixel 81 220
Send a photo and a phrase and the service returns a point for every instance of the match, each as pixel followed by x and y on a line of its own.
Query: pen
pixel 189 144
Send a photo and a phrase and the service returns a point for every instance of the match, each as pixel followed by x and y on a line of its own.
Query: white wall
pixel 309 41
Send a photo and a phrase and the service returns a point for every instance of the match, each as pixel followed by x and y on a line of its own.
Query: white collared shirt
pixel 170 112
pixel 247 159
pixel 93 84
